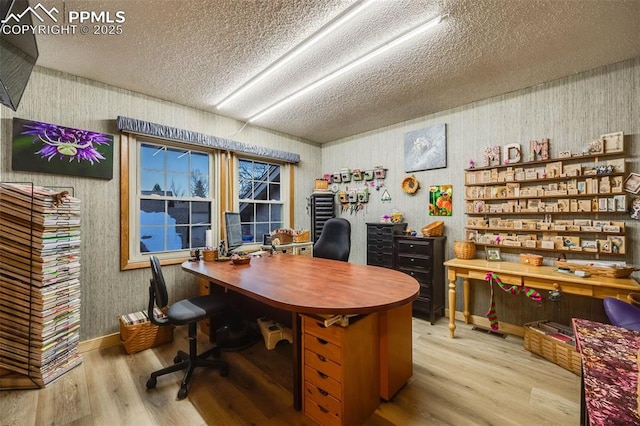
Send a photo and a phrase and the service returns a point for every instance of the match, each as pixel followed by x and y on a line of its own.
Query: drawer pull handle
pixel 321 374
pixel 321 341
pixel 411 273
pixel 413 260
pixel 411 245
pixel 322 391
pixel 324 410
pixel 321 358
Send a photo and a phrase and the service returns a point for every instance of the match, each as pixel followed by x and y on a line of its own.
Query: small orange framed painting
pixel 440 200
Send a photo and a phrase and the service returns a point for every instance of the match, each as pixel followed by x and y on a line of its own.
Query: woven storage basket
pixel 434 229
pixel 145 335
pixel 531 259
pixel 283 237
pixel 209 255
pixel 560 353
pixel 464 249
pixel 620 272
pixel 302 237
pixel 321 184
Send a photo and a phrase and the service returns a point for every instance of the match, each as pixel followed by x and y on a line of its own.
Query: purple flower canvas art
pixel 51 148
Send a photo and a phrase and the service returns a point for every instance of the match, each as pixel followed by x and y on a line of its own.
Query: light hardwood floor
pixel 474 379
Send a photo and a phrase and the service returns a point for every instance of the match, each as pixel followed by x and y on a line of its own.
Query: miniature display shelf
pixel 511 206
pixel 39 285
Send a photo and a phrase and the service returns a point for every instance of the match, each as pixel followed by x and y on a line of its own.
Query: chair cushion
pixel 195 309
pixel 622 314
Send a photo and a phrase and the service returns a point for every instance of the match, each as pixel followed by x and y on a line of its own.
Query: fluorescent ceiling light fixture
pixel 296 51
pixel 390 45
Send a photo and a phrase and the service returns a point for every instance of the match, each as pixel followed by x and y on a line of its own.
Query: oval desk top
pixel 311 285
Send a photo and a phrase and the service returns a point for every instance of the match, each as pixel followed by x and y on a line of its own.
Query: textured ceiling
pixel 196 52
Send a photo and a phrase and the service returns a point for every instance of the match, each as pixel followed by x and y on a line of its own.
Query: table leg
pixel 452 306
pixel 297 360
pixel 465 294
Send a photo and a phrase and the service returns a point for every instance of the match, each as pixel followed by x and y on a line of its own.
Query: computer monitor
pixel 233 230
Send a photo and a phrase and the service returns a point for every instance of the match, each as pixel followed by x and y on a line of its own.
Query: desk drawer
pixel 323 381
pixel 324 365
pixel 505 278
pixel 569 288
pixel 323 348
pixel 332 334
pixel 323 399
pixel 322 415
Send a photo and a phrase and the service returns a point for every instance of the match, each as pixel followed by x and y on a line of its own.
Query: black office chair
pixel 335 240
pixel 185 312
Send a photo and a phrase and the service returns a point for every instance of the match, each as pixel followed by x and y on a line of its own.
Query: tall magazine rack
pixel 39 285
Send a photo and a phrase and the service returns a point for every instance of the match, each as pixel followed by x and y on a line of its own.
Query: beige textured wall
pixel 62 99
pixel 569 112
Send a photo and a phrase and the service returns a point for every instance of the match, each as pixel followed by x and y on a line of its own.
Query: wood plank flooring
pixel 474 379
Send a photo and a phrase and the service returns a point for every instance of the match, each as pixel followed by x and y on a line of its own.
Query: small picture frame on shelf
pixel 596 147
pixel 613 142
pixel 632 183
pixel 493 254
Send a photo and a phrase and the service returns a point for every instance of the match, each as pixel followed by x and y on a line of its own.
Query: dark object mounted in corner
pixel 18 51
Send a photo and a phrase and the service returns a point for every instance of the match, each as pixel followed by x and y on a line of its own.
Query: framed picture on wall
pixel 50 148
pixel 426 149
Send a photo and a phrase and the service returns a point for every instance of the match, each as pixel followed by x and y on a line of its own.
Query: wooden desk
pixel 307 285
pixel 609 373
pixel 538 277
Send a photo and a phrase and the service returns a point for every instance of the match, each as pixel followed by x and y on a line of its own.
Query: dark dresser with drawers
pixel 380 242
pixel 422 258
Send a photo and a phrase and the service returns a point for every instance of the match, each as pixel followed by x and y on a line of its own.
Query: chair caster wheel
pixel 177 359
pixel 182 393
pixel 224 371
pixel 151 383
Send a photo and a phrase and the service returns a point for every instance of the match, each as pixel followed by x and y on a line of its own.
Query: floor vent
pixel 489 331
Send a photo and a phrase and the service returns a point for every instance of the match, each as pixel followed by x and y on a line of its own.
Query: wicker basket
pixel 321 184
pixel 611 272
pixel 560 353
pixel 434 229
pixel 145 335
pixel 209 255
pixel 302 237
pixel 531 259
pixel 464 249
pixel 410 185
pixel 282 237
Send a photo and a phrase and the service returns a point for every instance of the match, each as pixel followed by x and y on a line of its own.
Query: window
pixel 260 198
pixel 174 198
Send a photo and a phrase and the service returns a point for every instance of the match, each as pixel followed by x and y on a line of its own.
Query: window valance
pixel 132 125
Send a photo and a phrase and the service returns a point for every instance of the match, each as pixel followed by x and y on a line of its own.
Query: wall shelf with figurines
pixel 530 205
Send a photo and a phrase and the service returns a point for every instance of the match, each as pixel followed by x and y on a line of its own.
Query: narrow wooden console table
pixel 537 277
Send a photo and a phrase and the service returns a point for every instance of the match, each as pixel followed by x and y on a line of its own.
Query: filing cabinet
pixel 380 242
pixel 340 370
pixel 422 258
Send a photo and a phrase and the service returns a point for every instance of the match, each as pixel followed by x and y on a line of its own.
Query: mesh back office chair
pixel 185 312
pixel 335 240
